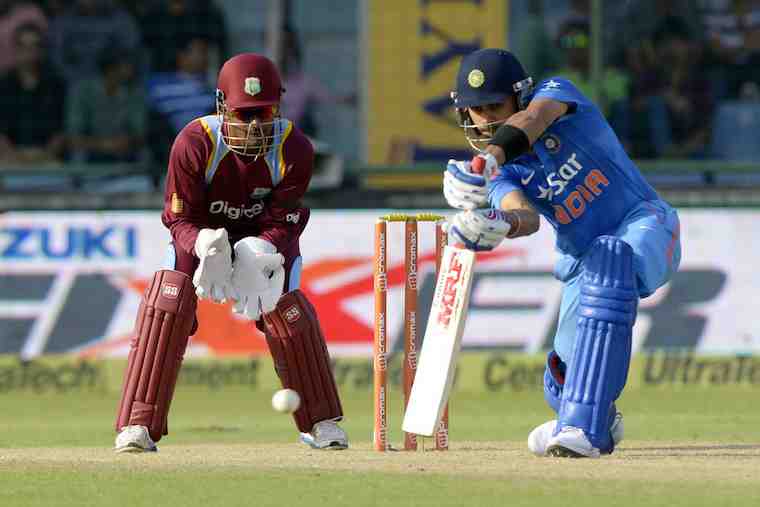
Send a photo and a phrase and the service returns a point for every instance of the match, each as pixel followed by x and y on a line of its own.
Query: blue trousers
pixel 653 231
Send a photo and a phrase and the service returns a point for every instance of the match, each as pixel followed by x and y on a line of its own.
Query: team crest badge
pixel 178 205
pixel 292 314
pixel 252 85
pixel 552 143
pixel 170 291
pixel 476 78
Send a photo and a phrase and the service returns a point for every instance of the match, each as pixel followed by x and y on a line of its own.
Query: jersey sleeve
pixel 561 90
pixel 285 217
pixel 507 181
pixel 185 207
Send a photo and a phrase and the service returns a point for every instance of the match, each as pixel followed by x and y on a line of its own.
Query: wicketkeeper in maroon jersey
pixel 233 206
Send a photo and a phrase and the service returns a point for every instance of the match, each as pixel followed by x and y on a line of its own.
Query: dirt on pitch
pixel 636 460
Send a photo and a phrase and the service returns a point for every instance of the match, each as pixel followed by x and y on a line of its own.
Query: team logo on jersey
pixel 550 85
pixel 571 196
pixel 252 85
pixel 259 192
pixel 235 212
pixel 552 143
pixel 178 205
pixel 557 181
pixel 476 78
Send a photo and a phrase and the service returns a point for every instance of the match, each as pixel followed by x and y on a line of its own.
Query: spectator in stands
pixel 31 105
pixel 573 11
pixel 53 8
pixel 139 9
pixel 166 23
pixel 733 32
pixel 13 14
pixel 176 98
pixel 631 23
pixel 83 31
pixel 643 123
pixel 575 43
pixel 303 91
pixel 106 115
pixel 687 91
pixel 533 42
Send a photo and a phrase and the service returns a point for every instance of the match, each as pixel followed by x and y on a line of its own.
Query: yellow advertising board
pixel 413 51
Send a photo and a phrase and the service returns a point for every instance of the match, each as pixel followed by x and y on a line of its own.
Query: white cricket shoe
pixel 326 435
pixel 538 440
pixel 134 439
pixel 539 437
pixel 571 442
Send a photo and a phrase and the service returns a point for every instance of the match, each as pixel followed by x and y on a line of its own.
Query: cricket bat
pixel 441 343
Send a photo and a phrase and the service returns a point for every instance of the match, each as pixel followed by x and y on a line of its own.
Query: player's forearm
pixel 509 142
pixel 184 232
pixel 523 218
pixel 522 222
pixel 523 128
pixel 530 122
pixel 516 136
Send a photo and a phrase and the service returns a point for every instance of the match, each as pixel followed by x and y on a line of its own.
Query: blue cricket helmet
pixel 488 76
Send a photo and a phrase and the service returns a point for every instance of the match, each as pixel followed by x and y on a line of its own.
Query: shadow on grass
pixel 716 451
pixel 214 429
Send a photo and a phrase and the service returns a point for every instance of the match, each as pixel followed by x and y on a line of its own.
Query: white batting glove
pixel 486 165
pixel 462 188
pixel 257 276
pixel 212 278
pixel 478 230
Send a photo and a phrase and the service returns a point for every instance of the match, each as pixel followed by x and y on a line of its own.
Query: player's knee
pixel 609 288
pixel 609 255
pixel 172 291
pixel 554 380
pixel 565 337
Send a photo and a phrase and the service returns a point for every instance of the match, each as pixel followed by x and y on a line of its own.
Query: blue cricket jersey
pixel 578 175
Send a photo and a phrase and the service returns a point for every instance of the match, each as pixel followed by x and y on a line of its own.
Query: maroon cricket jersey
pixel 208 186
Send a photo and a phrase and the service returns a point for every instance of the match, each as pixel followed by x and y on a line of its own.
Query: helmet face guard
pixel 479 136
pixel 252 137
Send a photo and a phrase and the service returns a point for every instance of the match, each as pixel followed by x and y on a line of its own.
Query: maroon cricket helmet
pixel 249 80
pixel 247 102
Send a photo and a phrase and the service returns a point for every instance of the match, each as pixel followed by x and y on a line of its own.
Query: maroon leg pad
pixel 301 359
pixel 165 320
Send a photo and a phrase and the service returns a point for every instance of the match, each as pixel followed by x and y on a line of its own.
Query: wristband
pixel 514 141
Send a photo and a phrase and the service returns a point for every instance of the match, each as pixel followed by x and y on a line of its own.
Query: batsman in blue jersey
pixel 547 150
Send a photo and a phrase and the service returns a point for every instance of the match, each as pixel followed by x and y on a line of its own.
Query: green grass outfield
pixel 687 443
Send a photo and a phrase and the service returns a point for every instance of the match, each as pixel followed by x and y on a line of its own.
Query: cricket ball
pixel 286 400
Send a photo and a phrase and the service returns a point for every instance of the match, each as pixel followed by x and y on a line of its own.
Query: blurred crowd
pixel 102 81
pixel 115 80
pixel 681 78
